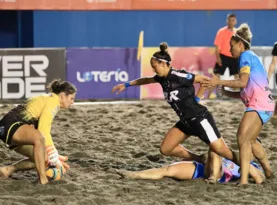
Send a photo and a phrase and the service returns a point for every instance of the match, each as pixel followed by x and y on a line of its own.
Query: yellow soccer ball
pixel 54 173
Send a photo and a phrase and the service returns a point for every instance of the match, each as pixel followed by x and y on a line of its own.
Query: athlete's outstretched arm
pixel 241 82
pixel 140 81
pixel 201 79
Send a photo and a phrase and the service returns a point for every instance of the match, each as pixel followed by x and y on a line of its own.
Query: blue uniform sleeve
pixel 245 63
pixel 274 51
pixel 184 77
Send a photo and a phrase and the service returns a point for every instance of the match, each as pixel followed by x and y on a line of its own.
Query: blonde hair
pixel 243 34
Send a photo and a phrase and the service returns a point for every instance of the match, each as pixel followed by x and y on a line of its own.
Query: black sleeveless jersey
pixel 179 92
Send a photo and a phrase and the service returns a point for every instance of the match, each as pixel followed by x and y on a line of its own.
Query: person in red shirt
pixel 224 58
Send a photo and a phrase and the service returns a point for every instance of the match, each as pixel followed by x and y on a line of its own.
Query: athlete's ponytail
pixel 58 86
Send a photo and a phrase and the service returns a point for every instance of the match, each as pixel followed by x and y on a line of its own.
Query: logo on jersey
pixel 183 75
pixel 172 96
pixel 270 97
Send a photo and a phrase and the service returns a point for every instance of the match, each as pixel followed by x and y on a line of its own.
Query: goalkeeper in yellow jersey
pixel 26 129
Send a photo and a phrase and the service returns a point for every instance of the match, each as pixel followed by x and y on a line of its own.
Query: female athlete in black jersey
pixel 195 119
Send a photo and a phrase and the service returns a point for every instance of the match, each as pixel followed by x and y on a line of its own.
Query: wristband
pixel 127 84
pixel 197 99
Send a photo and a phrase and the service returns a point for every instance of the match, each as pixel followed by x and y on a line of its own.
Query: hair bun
pixel 163 47
pixel 244 28
pixel 244 32
pixel 55 86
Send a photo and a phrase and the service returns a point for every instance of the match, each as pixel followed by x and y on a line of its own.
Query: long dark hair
pixel 57 86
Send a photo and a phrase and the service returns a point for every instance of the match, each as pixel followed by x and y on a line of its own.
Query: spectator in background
pixel 224 58
pixel 271 69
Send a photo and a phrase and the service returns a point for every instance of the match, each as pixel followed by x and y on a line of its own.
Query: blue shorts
pixel 264 115
pixel 222 179
pixel 199 171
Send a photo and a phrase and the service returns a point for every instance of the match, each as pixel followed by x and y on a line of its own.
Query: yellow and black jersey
pixel 38 111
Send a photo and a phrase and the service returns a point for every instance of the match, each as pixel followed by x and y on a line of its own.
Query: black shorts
pixel 227 62
pixel 8 127
pixel 202 126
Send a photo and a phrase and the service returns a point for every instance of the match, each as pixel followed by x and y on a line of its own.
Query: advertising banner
pixel 26 72
pixel 96 71
pixel 192 59
pixel 137 4
pixel 202 4
pixel 66 4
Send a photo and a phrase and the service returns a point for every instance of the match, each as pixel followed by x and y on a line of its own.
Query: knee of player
pixel 168 171
pixel 242 140
pixel 212 154
pixel 218 147
pixel 39 139
pixel 242 137
pixel 164 151
pixel 253 141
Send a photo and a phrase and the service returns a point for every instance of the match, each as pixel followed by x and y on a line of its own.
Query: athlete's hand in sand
pixel 118 88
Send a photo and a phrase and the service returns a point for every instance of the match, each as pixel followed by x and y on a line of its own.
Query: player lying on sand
pixel 217 169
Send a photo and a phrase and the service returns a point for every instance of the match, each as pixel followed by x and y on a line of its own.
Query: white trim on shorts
pixel 209 130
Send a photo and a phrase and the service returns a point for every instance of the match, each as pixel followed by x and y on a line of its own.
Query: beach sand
pixel 101 138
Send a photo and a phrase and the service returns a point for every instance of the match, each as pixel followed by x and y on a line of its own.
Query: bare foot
pixel 258 179
pixel 262 177
pixel 43 181
pixel 5 172
pixel 125 174
pixel 211 180
pixel 242 185
pixel 268 173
